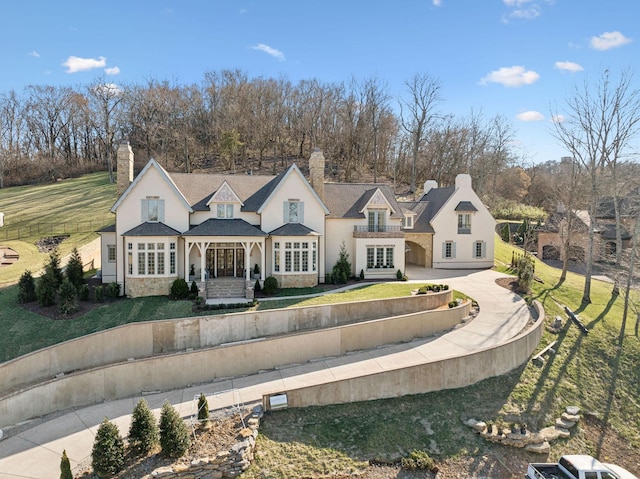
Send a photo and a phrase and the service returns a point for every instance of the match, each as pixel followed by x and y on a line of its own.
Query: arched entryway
pixel 550 252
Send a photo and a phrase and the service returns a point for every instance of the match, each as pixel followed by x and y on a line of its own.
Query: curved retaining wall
pixel 142 340
pixel 450 373
pixel 175 370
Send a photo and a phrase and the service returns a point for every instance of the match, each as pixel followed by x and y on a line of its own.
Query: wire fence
pixel 41 229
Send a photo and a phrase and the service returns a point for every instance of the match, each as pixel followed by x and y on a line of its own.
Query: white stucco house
pixel 215 229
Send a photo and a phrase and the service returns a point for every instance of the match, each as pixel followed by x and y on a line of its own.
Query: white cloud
pixel 108 89
pixel 34 54
pixel 609 40
pixel 269 51
pixel 568 66
pixel 514 76
pixel 526 13
pixel 515 3
pixel 557 118
pixel 530 116
pixel 437 3
pixel 77 64
pixel 112 70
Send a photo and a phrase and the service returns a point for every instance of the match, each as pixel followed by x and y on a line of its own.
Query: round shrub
pixel 180 289
pixel 270 285
pixel 453 304
pixel 83 292
pixel 174 435
pixel 99 292
pixel 113 290
pixel 107 455
pixel 418 460
pixel 143 432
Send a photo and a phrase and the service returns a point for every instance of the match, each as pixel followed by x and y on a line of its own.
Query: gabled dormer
pixel 377 210
pixel 225 203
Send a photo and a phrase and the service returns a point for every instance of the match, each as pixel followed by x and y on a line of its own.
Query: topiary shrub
pixel 67 298
pixel 361 274
pixel 65 466
pixel 453 304
pixel 256 287
pixel 99 293
pixel 143 432
pixel 179 289
pixel 26 288
pixel 203 408
pixel 107 455
pixel 399 275
pixel 193 289
pixel 113 290
pixel 270 285
pixel 74 269
pixel 174 435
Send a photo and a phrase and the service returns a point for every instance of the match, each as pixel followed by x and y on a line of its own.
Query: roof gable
pixel 378 200
pixel 224 194
pixel 281 180
pixel 163 175
pixel 349 200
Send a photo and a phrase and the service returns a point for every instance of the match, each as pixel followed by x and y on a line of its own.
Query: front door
pixel 230 262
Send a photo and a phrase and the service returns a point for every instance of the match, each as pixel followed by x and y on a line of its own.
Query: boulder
pixel 542 448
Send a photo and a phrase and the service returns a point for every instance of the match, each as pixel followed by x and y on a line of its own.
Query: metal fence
pixel 32 230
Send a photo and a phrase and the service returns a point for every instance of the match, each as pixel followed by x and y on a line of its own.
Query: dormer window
pixel 407 222
pixel 224 211
pixel 377 220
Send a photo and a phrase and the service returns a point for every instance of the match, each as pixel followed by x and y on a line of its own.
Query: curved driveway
pixel 33 450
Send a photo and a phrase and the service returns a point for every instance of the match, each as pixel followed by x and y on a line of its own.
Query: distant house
pixel 576 223
pixel 218 229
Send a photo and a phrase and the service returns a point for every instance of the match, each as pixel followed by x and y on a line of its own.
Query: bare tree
pixel 417 112
pixel 600 122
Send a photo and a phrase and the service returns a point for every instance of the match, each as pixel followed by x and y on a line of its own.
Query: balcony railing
pixel 464 231
pixel 376 229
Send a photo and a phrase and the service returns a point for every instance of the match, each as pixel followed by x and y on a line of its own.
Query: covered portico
pixel 223 248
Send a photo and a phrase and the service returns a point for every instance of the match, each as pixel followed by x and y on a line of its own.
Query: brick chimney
pixel 125 167
pixel 316 172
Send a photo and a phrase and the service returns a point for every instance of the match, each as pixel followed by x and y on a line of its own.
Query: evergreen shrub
pixel 26 288
pixel 174 435
pixel 107 455
pixel 143 432
pixel 179 289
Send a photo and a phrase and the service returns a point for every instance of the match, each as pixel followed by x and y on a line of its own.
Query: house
pixel 449 227
pixel 217 230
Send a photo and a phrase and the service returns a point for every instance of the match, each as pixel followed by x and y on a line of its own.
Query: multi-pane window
pixel 172 258
pixel 407 222
pixel 376 220
pixel 448 249
pixel 225 210
pixel 478 249
pixel 464 223
pixel 296 256
pixel 152 258
pixel 111 253
pixel 380 256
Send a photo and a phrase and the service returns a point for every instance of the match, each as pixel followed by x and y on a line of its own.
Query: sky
pixel 520 59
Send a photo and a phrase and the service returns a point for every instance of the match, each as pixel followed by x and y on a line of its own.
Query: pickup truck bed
pixel 547 471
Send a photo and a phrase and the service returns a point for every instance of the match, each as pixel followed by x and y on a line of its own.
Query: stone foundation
pixel 137 287
pixel 296 280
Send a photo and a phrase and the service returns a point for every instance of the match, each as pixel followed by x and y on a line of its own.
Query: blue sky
pixel 517 58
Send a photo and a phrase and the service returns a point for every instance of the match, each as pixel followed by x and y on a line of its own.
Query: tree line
pixel 233 123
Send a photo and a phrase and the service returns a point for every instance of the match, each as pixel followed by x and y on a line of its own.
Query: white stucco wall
pixel 445 224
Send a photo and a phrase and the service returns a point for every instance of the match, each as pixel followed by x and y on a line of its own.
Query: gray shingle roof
pixel 293 229
pixel 346 200
pixel 152 229
pixel 466 206
pixel 427 207
pixel 107 229
pixel 225 227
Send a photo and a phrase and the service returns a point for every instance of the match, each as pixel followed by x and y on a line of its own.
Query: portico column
pixel 202 259
pixel 247 260
pixel 263 260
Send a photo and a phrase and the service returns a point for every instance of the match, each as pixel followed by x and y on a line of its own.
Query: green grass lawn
pixel 77 206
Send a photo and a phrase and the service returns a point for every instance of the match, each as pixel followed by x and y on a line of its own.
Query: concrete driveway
pixel 33 449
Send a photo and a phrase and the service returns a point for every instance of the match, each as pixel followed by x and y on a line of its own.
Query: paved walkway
pixel 33 450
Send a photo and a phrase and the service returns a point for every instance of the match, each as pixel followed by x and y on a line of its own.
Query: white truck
pixel 577 466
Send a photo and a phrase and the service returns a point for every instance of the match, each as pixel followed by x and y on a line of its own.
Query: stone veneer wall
pixel 149 286
pixel 224 464
pixel 425 241
pixel 296 280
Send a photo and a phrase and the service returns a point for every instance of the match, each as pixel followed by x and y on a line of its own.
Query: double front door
pixel 225 262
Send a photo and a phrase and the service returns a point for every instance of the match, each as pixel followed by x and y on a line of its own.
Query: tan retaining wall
pixel 177 370
pixel 450 373
pixel 142 340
